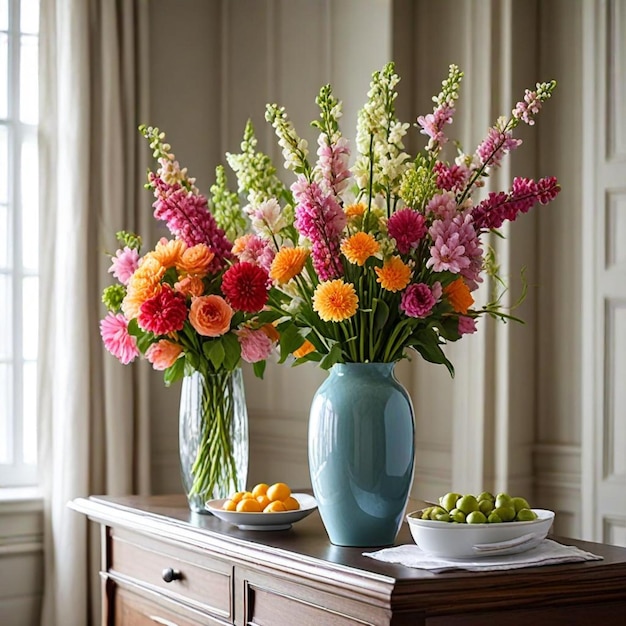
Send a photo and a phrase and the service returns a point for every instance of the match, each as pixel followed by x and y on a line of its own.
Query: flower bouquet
pixel 372 259
pixel 192 311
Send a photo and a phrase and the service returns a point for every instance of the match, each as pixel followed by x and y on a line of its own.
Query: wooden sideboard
pixel 162 564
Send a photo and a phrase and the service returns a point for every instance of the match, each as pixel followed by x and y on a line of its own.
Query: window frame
pixel 15 471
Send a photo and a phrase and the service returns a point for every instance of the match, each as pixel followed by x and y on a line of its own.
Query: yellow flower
pixel 459 296
pixel 288 263
pixel 355 210
pixel 306 348
pixel 394 275
pixel 335 300
pixel 360 247
pixel 144 284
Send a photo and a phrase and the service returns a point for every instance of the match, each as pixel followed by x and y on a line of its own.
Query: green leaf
pixel 267 317
pixel 449 328
pixel 381 313
pixel 290 340
pixel 259 369
pixel 334 356
pixel 433 353
pixel 232 349
pixel 174 372
pixel 214 351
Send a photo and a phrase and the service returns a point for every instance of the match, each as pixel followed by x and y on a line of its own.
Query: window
pixel 19 225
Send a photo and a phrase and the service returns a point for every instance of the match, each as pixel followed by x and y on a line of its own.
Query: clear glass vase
pixel 213 436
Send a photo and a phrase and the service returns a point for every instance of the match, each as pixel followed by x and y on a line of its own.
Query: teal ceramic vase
pixel 361 453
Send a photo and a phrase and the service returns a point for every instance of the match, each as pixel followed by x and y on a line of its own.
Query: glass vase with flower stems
pixel 213 435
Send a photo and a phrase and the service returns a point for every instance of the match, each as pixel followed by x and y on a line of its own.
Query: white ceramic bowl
pixel 264 521
pixel 465 541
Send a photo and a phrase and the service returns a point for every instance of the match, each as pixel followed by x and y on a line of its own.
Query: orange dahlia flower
pixel 394 275
pixel 168 253
pixel 360 247
pixel 288 263
pixel 335 301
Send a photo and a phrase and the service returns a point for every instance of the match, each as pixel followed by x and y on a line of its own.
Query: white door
pixel 604 246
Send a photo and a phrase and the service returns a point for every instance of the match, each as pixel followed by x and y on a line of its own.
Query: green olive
pixel 494 518
pixel 520 503
pixel 476 517
pixel 525 515
pixel 506 513
pixel 467 504
pixel 448 502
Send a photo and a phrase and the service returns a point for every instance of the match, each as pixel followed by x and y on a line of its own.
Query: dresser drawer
pixel 201 581
pixel 132 609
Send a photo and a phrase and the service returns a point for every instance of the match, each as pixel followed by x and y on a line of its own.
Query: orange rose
pixel 163 353
pixel 210 315
pixel 196 260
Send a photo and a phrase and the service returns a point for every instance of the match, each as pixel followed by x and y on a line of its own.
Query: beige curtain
pixel 94 435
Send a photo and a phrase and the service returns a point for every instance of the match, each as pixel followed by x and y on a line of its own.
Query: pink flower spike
pixel 124 264
pixel 117 340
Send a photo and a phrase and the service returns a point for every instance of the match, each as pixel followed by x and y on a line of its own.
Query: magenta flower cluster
pixel 188 218
pixel 320 218
pixel 499 207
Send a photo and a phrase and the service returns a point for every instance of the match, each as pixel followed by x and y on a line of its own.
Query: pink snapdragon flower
pixel 117 340
pixel 499 207
pixel 527 108
pixel 451 177
pixel 496 145
pixel 417 300
pixel 433 123
pixel 333 163
pixel 188 218
pixel 320 218
pixel 124 264
pixel 407 227
pixel 255 344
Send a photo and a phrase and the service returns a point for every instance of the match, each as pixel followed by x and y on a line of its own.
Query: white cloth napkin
pixel 548 552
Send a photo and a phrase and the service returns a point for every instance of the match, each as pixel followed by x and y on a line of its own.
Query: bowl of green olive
pixel 466 526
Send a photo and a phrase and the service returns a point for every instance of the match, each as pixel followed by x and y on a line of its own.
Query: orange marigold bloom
pixel 196 260
pixel 168 253
pixel 271 332
pixel 459 296
pixel 360 247
pixel 144 284
pixel 335 300
pixel 355 210
pixel 306 348
pixel 394 275
pixel 288 263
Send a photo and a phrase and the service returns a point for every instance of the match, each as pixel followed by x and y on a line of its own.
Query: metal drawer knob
pixel 170 574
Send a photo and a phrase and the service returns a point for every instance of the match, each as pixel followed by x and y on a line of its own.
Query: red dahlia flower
pixel 164 313
pixel 245 287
